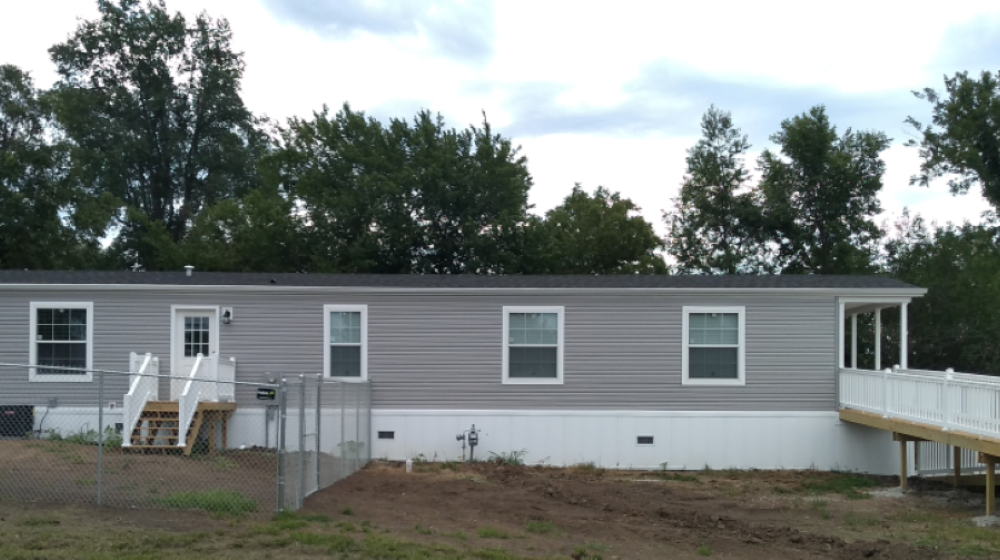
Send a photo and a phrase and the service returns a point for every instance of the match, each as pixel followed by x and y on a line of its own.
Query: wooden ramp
pixel 157 427
pixel 905 431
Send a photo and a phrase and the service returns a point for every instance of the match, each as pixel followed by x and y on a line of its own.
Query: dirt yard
pixel 509 512
pixel 64 471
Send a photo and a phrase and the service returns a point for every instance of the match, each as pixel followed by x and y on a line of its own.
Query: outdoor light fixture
pixel 227 315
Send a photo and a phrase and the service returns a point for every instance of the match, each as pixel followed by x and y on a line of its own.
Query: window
pixel 533 345
pixel 713 340
pixel 62 336
pixel 346 348
pixel 196 331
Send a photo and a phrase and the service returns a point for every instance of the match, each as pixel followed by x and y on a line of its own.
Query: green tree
pixel 955 324
pixel 963 140
pixel 404 198
pixel 151 103
pixel 470 198
pixel 821 195
pixel 599 234
pixel 350 177
pixel 716 226
pixel 258 233
pixel 36 201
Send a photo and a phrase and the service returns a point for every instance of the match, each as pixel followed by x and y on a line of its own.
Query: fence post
pixel 282 420
pixel 885 392
pixel 319 422
pixel 302 440
pixel 100 436
pixel 947 409
pixel 343 427
pixel 357 427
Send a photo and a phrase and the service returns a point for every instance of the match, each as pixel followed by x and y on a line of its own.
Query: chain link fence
pixel 253 448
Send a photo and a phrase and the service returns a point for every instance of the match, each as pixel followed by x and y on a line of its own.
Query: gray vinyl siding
pixel 443 350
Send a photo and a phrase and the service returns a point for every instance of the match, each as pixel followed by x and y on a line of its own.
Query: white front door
pixel 195 332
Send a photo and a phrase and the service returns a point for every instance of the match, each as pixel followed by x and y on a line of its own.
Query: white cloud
pixel 617 88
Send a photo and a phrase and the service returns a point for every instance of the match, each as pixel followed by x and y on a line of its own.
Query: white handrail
pixel 200 386
pixel 953 401
pixel 144 386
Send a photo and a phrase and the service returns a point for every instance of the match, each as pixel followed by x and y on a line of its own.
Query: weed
pixel 845 484
pixel 582 552
pixel 540 527
pixel 704 550
pixel 588 468
pixel 422 530
pixel 508 458
pixel 491 533
pixel 679 477
pixel 85 482
pixel 347 511
pixel 346 526
pixel 449 465
pixel 458 536
pixel 212 501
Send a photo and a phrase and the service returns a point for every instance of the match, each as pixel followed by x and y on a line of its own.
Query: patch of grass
pixel 333 543
pixel 346 526
pixel 38 521
pixel 704 550
pixel 853 519
pixel 540 527
pixel 422 530
pixel 509 457
pixel 491 533
pixel 287 521
pixel 212 501
pixel 458 535
pixel 347 511
pixel 845 484
pixel 679 477
pixel 582 552
pixel 587 468
pixel 450 466
pixel 820 507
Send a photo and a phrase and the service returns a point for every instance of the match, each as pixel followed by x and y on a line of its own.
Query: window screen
pixel 713 345
pixel 533 345
pixel 345 343
pixel 61 339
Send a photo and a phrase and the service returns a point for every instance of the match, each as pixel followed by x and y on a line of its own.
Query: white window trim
pixel 33 375
pixel 363 309
pixel 558 379
pixel 740 353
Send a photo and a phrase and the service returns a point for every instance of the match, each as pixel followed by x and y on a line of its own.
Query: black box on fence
pixel 17 420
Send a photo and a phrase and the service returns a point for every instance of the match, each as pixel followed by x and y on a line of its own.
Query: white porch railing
pixel 200 386
pixel 953 401
pixel 144 386
pixel 227 376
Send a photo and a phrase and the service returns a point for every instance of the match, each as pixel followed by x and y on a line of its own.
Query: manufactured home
pixel 680 372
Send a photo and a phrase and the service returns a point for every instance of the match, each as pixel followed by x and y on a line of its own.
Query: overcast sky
pixel 601 93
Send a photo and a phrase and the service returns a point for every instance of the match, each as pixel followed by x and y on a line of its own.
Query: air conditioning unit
pixel 17 420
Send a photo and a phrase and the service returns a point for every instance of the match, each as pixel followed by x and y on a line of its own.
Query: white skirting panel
pixel 681 440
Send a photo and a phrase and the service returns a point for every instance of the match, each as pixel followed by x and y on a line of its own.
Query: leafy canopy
pixel 963 140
